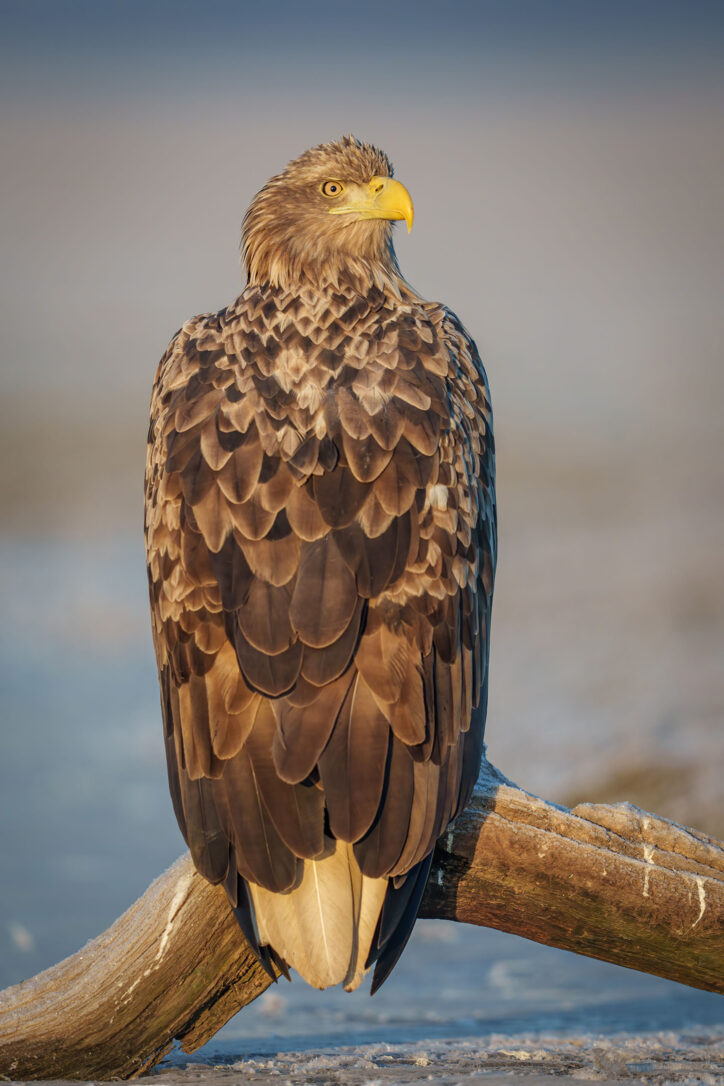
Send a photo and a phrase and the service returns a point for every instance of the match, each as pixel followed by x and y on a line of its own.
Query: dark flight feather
pixel 303 729
pixel 264 618
pixel 270 675
pixel 325 597
pixel 322 666
pixel 261 854
pixel 375 563
pixel 296 811
pixel 243 911
pixel 401 906
pixel 352 765
pixel 273 560
pixel 233 575
pixel 206 839
pixel 380 849
pixel 339 496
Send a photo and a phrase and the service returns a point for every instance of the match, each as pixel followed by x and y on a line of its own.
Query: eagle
pixel 320 527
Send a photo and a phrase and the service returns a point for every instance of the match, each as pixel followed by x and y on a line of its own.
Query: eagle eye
pixel 332 188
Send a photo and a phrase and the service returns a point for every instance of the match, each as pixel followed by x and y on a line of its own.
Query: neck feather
pixel 282 253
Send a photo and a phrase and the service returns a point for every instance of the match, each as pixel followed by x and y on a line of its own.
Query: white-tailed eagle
pixel 321 538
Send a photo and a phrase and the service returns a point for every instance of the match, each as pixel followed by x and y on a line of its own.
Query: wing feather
pixel 378 852
pixel 297 810
pixel 325 597
pixel 264 618
pixel 352 765
pixel 261 854
pixel 304 725
pixel 322 666
pixel 339 496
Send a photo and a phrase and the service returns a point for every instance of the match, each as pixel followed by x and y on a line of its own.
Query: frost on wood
pixel 612 882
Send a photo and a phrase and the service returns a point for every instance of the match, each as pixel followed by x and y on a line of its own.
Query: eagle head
pixel 327 218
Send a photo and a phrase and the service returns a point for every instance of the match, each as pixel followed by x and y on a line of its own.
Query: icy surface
pixel 655 1058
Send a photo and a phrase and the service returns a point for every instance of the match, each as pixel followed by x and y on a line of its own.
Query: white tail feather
pixel 369 898
pixel 324 927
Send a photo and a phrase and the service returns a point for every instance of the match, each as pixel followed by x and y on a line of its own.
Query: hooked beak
pixel 381 198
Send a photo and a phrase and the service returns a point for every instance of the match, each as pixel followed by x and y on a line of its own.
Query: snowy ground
pixel 529 1058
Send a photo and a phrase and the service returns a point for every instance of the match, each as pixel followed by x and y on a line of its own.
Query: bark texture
pixel 611 882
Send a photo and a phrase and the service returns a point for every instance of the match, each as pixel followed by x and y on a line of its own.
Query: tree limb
pixel 612 882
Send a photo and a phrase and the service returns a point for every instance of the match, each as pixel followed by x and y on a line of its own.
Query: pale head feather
pixel 290 240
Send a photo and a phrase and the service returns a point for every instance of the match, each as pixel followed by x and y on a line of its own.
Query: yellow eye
pixel 332 188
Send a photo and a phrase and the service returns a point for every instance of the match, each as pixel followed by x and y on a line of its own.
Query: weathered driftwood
pixel 612 882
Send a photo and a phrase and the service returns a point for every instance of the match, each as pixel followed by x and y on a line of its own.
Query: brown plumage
pixel 321 539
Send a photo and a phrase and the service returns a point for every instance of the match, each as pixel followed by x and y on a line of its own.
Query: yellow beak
pixel 381 198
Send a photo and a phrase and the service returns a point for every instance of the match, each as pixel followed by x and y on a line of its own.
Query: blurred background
pixel 565 159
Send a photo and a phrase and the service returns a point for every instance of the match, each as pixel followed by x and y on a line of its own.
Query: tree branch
pixel 612 882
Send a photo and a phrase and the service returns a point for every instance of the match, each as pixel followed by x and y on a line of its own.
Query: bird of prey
pixel 321 540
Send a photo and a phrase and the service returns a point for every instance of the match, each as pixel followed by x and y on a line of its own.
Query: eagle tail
pixel 324 926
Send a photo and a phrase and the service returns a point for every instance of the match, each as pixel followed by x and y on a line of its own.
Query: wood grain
pixel 611 882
